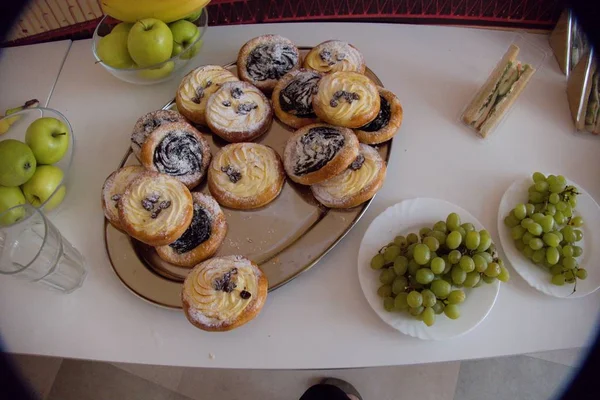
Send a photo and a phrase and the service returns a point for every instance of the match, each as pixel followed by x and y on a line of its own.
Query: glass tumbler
pixel 32 248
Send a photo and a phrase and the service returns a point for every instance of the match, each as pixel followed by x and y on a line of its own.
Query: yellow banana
pixel 7 121
pixel 164 10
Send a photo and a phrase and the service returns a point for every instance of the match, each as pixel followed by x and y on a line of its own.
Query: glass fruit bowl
pixel 46 186
pixel 156 73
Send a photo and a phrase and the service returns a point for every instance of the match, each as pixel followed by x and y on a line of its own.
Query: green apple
pixel 184 34
pixel 112 50
pixel 122 27
pixel 194 16
pixel 154 74
pixel 17 163
pixel 194 49
pixel 150 42
pixel 11 197
pixel 42 185
pixel 48 138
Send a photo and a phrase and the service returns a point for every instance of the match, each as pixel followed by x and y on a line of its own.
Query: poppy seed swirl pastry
pixel 387 122
pixel 264 60
pixel 246 175
pixel 155 208
pixel 147 124
pixel 333 56
pixel 178 150
pixel 113 189
pixel 239 112
pixel 357 184
pixel 292 98
pixel 195 89
pixel 223 293
pixel 202 238
pixel 346 99
pixel 319 152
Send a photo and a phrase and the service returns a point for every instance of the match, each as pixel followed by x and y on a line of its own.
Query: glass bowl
pixel 47 191
pixel 156 73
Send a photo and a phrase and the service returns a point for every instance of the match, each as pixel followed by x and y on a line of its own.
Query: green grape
pixel 581 273
pixel 541 186
pixel 561 206
pixel 562 180
pixel 569 275
pixel 492 270
pixel 438 265
pixel 559 235
pixel 520 245
pixel 429 298
pixel 504 275
pixel 467 264
pixel 538 177
pixel 453 239
pixel 384 291
pixel 387 276
pixel 536 198
pixel 412 238
pixel 488 257
pixel 558 280
pixel 432 243
pixel 530 209
pixel 539 255
pixel 400 302
pixel 454 256
pixel 422 254
pixel 378 261
pixel 552 255
pixel 410 250
pixel 479 263
pixel 452 221
pixel 527 222
pixel 440 226
pixel 578 235
pixel 528 252
pixel 568 212
pixel 517 232
pixel 551 239
pixel 413 267
pixel 536 243
pixel 448 268
pixel 569 262
pixel 531 189
pixel 520 211
pixel 428 316
pixel 559 217
pixel 391 252
pixel 472 240
pixel 577 251
pixel 414 299
pixel 440 288
pixel 458 275
pixel 556 270
pixel 399 284
pixel 424 276
pixel 488 279
pixel 438 307
pixel 557 187
pixel 569 234
pixel 535 229
pixel 573 202
pixel 440 236
pixel 537 217
pixel 468 227
pixel 400 265
pixel 452 311
pixel 485 240
pixel 511 221
pixel 462 232
pixel 401 242
pixel 388 304
pixel 527 238
pixel 424 231
pixel 568 251
pixel 577 222
pixel 554 198
pixel 547 223
pixel 416 311
pixel 456 297
pixel 550 210
pixel 472 279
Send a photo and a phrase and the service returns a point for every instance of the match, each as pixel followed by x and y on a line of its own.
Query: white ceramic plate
pixel 536 276
pixel 403 218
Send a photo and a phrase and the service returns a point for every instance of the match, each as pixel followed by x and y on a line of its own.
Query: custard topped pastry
pixel 387 122
pixel 178 150
pixel 318 152
pixel 147 124
pixel 113 189
pixel 346 99
pixel 239 112
pixel 355 185
pixel 223 293
pixel 195 89
pixel 246 175
pixel 333 56
pixel 155 208
pixel 264 60
pixel 292 98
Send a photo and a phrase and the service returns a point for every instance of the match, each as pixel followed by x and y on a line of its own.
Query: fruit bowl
pixel 47 187
pixel 155 73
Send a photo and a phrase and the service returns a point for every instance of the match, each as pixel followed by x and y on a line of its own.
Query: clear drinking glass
pixel 32 248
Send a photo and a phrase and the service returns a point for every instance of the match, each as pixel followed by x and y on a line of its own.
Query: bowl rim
pixel 67 169
pixel 203 16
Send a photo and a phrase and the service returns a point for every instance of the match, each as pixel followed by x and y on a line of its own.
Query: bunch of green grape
pixel 423 273
pixel 546 230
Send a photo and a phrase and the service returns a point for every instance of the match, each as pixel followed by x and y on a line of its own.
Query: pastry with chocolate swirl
pixel 346 99
pixel 178 150
pixel 333 56
pixel 224 293
pixel 387 122
pixel 264 60
pixel 113 189
pixel 319 152
pixel 146 124
pixel 292 98
pixel 239 112
pixel 356 184
pixel 202 238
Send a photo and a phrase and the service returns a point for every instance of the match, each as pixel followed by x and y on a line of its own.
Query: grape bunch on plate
pixel 423 273
pixel 545 229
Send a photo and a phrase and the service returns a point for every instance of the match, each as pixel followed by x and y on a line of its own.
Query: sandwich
pixel 583 91
pixel 499 92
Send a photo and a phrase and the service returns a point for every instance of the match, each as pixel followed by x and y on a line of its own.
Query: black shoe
pixel 343 385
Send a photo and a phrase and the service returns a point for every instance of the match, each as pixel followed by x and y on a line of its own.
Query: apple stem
pixel 58 134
